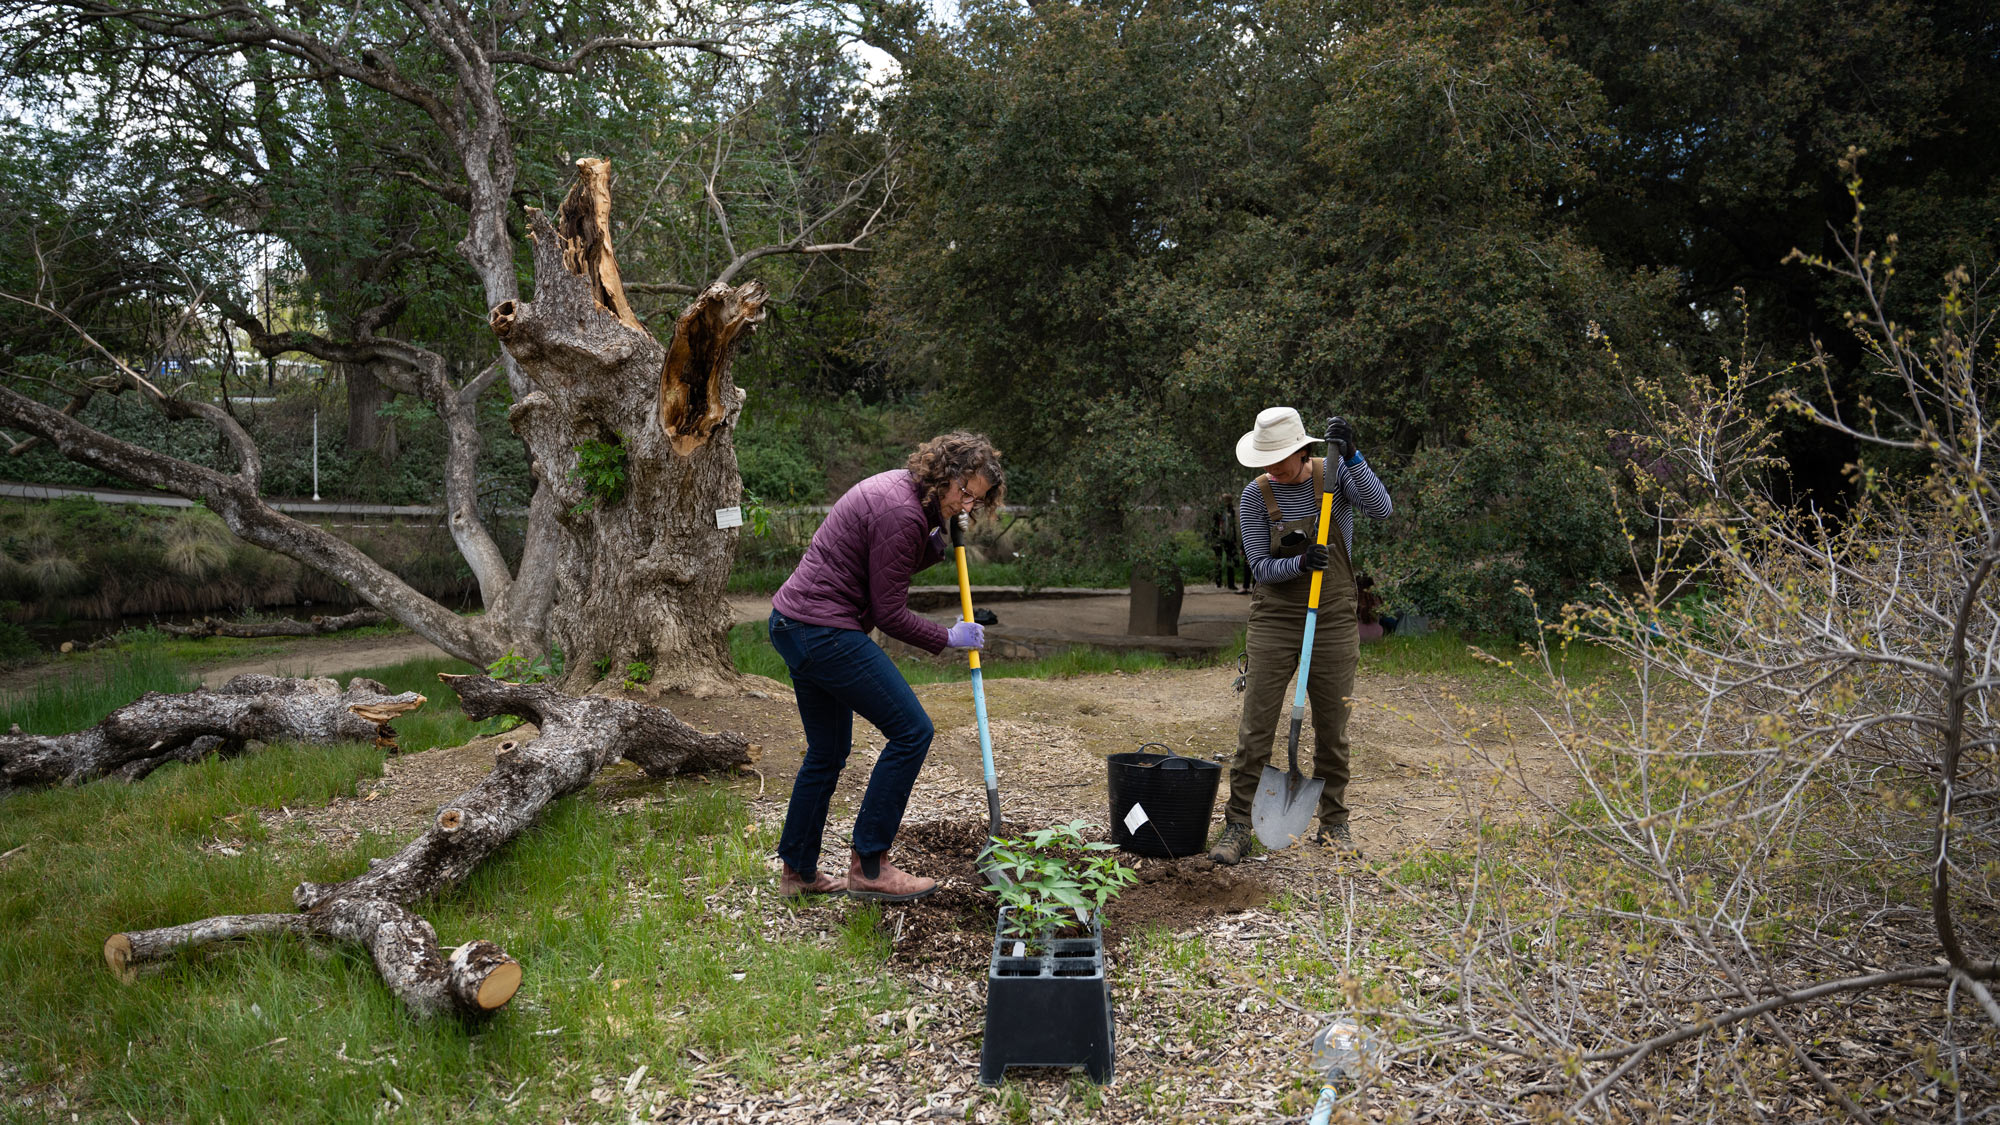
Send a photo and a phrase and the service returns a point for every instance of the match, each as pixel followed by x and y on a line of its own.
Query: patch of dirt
pixel 1428 765
pixel 405 799
pixel 1180 895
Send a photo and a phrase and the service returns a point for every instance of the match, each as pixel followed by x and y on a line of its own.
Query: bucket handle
pixel 1171 756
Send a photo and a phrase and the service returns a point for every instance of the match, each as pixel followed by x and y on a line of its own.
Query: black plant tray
pixel 1049 1007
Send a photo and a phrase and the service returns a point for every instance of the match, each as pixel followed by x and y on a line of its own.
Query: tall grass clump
pixel 61 704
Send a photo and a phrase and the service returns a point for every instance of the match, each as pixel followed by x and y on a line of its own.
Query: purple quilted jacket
pixel 856 574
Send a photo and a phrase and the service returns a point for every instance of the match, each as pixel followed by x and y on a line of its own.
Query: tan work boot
pixel 890 884
pixel 1336 838
pixel 791 886
pixel 1234 843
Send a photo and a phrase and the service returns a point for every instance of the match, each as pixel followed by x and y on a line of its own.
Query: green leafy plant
pixel 600 467
pixel 1054 878
pixel 519 669
pixel 601 666
pixel 756 514
pixel 498 724
pixel 636 673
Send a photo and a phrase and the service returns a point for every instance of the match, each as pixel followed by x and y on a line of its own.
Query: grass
pixel 750 649
pixel 1450 655
pixel 85 692
pixel 629 961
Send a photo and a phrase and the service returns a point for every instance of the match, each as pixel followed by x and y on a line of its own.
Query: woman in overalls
pixel 1279 514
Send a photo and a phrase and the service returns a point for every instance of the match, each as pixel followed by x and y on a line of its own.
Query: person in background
pixel 1222 541
pixel 855 577
pixel 1279 514
pixel 1368 608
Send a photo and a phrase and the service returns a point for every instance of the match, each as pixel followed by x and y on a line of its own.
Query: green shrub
pixel 1522 505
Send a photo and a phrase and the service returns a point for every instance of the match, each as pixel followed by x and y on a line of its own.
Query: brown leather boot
pixel 890 884
pixel 791 886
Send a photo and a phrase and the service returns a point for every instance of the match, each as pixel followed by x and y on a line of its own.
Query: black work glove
pixel 1314 559
pixel 1340 437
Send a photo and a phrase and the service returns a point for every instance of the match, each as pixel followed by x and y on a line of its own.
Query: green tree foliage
pixel 1134 227
pixel 1730 120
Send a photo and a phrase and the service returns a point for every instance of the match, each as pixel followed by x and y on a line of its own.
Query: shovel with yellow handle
pixel 994 873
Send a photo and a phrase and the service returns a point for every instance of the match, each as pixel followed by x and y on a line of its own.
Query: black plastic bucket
pixel 1177 794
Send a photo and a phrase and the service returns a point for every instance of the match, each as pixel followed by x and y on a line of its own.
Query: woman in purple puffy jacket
pixel 855 577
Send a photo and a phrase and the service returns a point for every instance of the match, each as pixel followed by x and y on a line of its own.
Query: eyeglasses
pixel 978 501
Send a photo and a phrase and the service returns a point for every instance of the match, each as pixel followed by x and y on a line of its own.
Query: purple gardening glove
pixel 966 634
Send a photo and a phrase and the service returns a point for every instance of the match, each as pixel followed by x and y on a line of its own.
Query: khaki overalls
pixel 1277 631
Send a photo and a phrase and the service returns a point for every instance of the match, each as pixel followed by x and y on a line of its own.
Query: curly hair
pixel 957 456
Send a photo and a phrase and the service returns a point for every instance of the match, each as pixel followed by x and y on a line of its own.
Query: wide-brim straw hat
pixel 1278 435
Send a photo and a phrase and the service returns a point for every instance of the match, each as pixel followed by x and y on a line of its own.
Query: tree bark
pixel 641 569
pixel 288 627
pixel 578 738
pixel 367 430
pixel 160 727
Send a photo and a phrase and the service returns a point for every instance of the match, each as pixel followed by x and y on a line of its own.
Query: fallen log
pixel 577 738
pixel 285 627
pixel 162 727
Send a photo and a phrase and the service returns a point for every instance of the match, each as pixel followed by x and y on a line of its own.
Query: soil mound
pixel 954 925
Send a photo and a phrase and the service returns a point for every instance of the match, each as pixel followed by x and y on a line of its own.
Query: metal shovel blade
pixel 1284 807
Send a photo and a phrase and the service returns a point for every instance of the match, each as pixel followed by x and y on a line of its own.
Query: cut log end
pixel 389 710
pixel 118 957
pixel 499 986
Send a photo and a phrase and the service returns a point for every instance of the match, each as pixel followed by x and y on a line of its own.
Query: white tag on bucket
pixel 1136 817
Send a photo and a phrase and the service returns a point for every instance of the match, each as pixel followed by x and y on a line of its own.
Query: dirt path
pixel 338 657
pixel 1204 612
pixel 1426 765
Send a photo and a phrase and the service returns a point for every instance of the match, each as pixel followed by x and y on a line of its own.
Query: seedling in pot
pixel 1057 878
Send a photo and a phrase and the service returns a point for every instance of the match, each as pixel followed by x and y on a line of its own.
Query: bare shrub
pixel 1776 893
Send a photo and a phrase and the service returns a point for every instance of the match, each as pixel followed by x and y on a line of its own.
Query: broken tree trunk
pixel 578 738
pixel 161 727
pixel 287 627
pixel 635 441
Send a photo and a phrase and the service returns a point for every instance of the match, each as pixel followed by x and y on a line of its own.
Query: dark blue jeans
pixel 836 675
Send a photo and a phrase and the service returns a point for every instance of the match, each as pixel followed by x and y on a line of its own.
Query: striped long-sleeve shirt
pixel 1353 485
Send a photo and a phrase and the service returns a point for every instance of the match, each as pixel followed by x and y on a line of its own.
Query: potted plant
pixel 1048 1002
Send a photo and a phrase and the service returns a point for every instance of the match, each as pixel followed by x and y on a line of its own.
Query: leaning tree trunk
pixel 161 727
pixel 368 430
pixel 577 738
pixel 635 441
